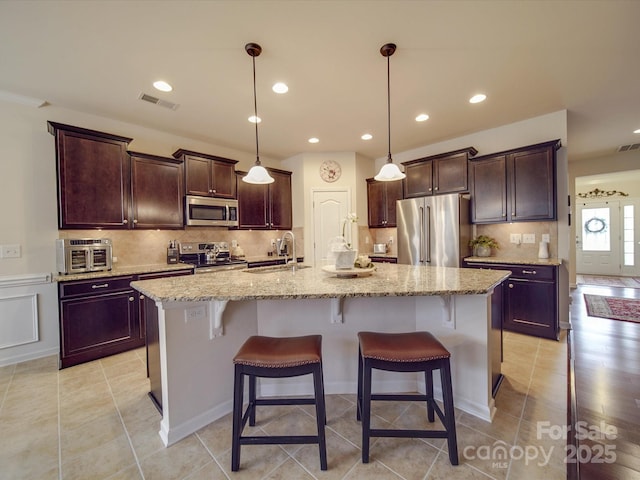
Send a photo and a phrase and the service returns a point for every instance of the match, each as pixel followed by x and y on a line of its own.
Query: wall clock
pixel 330 171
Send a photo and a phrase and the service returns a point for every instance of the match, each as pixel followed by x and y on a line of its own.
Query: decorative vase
pixel 345 259
pixel 543 250
pixel 483 251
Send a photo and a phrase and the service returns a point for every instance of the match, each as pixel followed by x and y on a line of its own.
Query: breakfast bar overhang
pixel 203 319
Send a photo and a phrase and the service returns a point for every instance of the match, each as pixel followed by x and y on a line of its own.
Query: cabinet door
pixel 377 207
pixel 280 201
pixel 531 180
pixel 531 308
pixel 223 180
pixel 198 176
pixel 419 179
pixel 252 204
pixel 451 174
pixel 156 186
pixel 93 181
pixel 488 190
pixel 95 326
pixel 393 192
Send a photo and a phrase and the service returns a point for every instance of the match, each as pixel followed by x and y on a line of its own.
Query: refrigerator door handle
pixel 421 246
pixel 427 221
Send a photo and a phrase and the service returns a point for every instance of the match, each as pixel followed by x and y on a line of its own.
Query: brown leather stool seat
pixel 274 357
pixel 405 352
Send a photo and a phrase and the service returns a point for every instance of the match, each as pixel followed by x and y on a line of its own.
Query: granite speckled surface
pixel 311 282
pixel 516 261
pixel 122 270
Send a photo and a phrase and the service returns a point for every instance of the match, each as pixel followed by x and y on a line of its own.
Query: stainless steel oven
pixel 78 255
pixel 210 212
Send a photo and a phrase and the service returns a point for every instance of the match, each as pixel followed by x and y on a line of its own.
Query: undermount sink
pixel 277 268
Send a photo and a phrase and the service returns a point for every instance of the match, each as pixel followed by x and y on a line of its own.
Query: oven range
pixel 209 256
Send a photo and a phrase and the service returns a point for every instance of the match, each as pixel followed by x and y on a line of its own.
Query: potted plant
pixel 482 245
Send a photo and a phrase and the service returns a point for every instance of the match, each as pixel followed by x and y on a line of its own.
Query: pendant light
pixel 389 172
pixel 257 173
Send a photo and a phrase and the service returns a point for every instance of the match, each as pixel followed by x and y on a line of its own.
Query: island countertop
pixel 388 280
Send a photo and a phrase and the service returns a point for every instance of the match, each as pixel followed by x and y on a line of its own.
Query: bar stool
pixel 405 352
pixel 272 357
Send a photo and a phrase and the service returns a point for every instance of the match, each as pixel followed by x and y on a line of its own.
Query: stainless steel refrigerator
pixel 433 231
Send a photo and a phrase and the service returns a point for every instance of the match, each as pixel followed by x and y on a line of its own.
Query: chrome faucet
pixel 294 260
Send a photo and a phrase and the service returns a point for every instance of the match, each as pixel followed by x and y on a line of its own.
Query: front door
pixel 598 238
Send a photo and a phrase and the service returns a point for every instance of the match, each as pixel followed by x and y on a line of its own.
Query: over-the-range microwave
pixel 210 212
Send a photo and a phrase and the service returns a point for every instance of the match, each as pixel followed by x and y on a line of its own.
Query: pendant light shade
pixel 389 172
pixel 257 173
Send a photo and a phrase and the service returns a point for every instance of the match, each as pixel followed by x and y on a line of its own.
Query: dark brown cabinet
pixel 266 206
pixel 438 174
pixel 381 202
pixel 515 186
pixel 530 298
pixel 93 178
pixel 208 175
pixel 102 316
pixel 156 192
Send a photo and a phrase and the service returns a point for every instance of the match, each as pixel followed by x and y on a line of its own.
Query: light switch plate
pixel 545 237
pixel 516 238
pixel 10 251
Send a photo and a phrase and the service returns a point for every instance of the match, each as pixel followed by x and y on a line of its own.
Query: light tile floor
pixel 96 421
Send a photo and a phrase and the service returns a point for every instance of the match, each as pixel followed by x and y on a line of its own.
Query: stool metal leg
pixel 238 387
pixel 449 413
pixel 366 410
pixel 321 415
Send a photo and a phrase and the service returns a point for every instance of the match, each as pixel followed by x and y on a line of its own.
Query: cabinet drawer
pixel 533 272
pixel 95 286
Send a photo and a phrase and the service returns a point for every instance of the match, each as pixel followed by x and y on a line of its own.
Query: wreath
pixel 595 225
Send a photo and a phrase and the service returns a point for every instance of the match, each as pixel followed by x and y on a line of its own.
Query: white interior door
pixel 330 208
pixel 598 238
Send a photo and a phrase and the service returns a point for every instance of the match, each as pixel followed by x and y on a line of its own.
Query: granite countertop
pixel 313 282
pixel 118 270
pixel 515 261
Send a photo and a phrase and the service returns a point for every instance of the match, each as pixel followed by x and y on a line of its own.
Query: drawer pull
pixel 131 299
pixel 511 285
pixel 104 285
pixel 529 272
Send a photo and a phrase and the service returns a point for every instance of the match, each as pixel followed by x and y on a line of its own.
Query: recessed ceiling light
pixel 636 131
pixel 254 119
pixel 313 140
pixel 366 136
pixel 162 86
pixel 422 117
pixel 280 87
pixel 479 97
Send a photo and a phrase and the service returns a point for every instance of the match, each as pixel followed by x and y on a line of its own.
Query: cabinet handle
pixel 436 189
pixel 131 299
pixel 530 272
pixel 104 285
pixel 213 191
pixel 135 220
pixel 430 188
pixel 511 285
pixel 125 221
pixel 141 297
pixel 513 214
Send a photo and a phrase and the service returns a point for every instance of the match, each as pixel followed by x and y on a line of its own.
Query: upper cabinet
pixel 438 174
pixel 208 175
pixel 102 185
pixel 265 206
pixel 156 191
pixel 515 186
pixel 93 178
pixel 381 202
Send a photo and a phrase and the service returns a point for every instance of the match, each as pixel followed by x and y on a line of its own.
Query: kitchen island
pixel 202 320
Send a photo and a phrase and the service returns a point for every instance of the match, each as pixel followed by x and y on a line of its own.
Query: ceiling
pixel 528 57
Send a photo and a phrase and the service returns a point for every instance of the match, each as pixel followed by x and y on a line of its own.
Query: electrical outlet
pixel 234 243
pixel 516 238
pixel 10 251
pixel 390 240
pixel 528 238
pixel 545 237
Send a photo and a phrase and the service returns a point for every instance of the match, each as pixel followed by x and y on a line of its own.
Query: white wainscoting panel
pixel 18 320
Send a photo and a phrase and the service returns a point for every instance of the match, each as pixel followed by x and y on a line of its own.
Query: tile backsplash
pixel 502 233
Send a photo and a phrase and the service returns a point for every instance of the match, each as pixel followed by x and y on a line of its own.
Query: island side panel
pixel 197 371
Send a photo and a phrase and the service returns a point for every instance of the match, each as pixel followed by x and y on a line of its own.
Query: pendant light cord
pixel 255 108
pixel 389 108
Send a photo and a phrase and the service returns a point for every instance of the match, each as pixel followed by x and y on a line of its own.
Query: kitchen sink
pixel 277 268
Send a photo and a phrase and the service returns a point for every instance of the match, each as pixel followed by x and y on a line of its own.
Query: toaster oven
pixel 81 255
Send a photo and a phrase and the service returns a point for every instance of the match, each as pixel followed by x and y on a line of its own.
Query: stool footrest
pixel 396 397
pixel 279 440
pixel 285 401
pixel 409 433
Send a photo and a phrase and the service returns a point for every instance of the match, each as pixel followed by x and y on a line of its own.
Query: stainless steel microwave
pixel 210 212
pixel 80 255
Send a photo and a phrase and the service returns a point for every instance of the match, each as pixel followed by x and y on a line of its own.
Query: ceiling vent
pixel 627 148
pixel 156 101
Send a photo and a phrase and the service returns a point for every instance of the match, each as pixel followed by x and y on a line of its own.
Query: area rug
pixel 616 308
pixel 628 282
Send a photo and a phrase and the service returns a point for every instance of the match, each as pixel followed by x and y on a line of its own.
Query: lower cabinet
pixel 100 317
pixel 530 299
